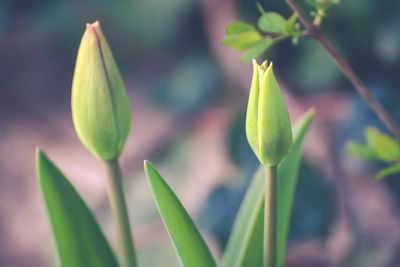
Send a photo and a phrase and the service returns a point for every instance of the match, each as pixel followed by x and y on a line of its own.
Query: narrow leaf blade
pixel 189 246
pixel 248 221
pixel 287 180
pixel 78 238
pixel 245 246
pixel 392 169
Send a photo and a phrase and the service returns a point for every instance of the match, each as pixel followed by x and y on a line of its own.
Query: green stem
pixel 120 213
pixel 270 216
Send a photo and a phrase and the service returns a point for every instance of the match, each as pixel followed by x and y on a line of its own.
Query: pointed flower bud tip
pixel 95 24
pixel 100 105
pixel 268 127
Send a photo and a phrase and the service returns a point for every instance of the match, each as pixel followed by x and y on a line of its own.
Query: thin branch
pixel 314 32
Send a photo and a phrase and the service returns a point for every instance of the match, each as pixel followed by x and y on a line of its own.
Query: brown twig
pixel 314 32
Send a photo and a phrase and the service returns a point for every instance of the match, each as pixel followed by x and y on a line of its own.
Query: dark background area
pixel 188 96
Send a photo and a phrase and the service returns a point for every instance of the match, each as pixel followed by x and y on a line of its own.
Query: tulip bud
pixel 100 106
pixel 268 126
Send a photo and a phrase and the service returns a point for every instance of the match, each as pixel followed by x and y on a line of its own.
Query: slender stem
pixel 120 214
pixel 314 32
pixel 270 216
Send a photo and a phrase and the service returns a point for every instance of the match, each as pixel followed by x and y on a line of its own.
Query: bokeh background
pixel 189 95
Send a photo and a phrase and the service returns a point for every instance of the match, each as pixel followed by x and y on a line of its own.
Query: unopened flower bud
pixel 100 106
pixel 268 127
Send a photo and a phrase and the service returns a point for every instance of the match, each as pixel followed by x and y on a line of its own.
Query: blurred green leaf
pixel 245 246
pixel 258 49
pixel 361 150
pixel 384 146
pixel 190 247
pixel 237 27
pixel 290 24
pixel 393 169
pixel 371 134
pixel 240 35
pixel 244 36
pixel 242 41
pixel 293 28
pixel 272 22
pixel 78 238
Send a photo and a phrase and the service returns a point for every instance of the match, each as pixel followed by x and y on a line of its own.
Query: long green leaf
pixel 392 169
pixel 189 246
pixel 245 246
pixel 287 180
pixel 78 238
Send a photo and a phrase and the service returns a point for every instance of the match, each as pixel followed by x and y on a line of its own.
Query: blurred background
pixel 188 96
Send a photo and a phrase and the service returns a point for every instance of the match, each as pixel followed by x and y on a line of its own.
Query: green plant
pixel 273 28
pixel 77 236
pixel 245 244
pixel 379 147
pixel 101 116
pixel 269 134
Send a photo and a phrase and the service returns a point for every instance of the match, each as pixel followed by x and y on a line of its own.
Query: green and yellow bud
pixel 268 127
pixel 100 106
